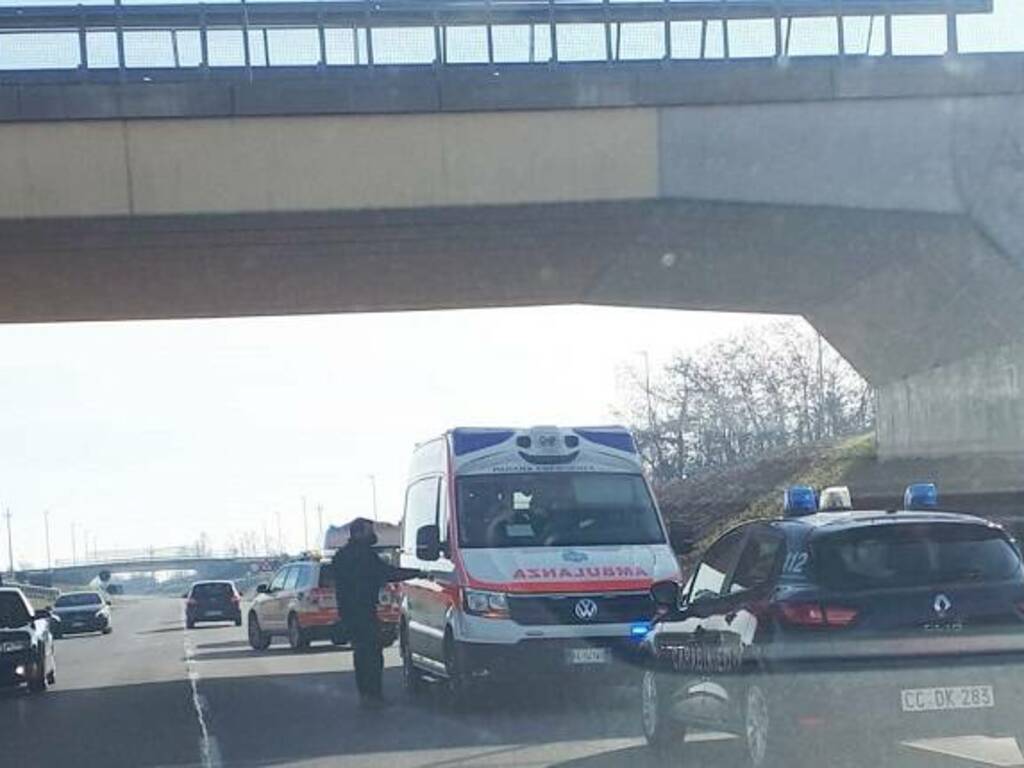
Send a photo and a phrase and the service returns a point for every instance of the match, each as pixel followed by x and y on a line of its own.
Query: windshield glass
pixel 551 510
pixel 914 555
pixel 12 610
pixel 78 599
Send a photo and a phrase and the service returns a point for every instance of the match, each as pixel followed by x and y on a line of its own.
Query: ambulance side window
pixel 442 510
pixel 420 510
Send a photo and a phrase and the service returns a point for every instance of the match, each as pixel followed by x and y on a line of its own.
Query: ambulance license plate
pixel 588 656
pixel 953 697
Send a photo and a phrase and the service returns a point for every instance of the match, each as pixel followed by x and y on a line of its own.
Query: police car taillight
pixel 799 500
pixel 817 615
pixel 318 595
pixel 921 496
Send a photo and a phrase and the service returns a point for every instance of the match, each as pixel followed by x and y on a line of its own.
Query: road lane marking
pixel 1001 752
pixel 208 748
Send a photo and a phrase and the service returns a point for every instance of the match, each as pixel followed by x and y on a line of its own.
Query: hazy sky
pixel 148 433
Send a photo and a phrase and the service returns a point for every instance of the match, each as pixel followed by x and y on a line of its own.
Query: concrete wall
pixel 324 163
pixel 974 405
pixel 894 154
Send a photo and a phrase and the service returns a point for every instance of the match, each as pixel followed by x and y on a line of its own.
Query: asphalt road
pixel 155 694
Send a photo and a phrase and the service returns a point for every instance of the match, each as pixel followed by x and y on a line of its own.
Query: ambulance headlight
pixel 491 605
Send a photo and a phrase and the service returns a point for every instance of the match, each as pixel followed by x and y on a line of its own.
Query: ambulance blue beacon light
pixel 799 500
pixel 921 496
pixel 639 629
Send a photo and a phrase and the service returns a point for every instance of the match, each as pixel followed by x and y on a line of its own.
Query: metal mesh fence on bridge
pixel 254 35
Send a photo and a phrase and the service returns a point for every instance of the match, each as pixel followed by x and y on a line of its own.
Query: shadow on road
pixel 243 651
pixel 224 644
pixel 162 630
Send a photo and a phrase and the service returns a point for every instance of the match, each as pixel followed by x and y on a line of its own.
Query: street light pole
pixel 373 490
pixel 305 527
pixel 320 524
pixel 10 542
pixel 74 547
pixel 46 525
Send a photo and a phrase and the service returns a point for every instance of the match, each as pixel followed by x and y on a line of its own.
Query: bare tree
pixel 742 396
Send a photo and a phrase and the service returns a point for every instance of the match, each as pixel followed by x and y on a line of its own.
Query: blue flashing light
pixel 639 629
pixel 469 440
pixel 799 500
pixel 619 439
pixel 921 496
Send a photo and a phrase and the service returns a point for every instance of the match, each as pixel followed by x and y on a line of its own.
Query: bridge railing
pixel 125 37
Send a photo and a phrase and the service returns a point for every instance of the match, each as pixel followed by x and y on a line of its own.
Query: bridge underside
pixel 896 292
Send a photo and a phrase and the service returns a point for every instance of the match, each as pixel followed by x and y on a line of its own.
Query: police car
pixel 822 631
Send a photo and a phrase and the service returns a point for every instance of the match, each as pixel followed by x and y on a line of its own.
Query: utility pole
pixel 373 490
pixel 74 549
pixel 280 540
pixel 266 540
pixel 320 524
pixel 10 542
pixel 821 389
pixel 46 525
pixel 305 527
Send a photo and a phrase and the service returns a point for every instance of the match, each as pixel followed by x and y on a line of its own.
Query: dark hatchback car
pixel 841 633
pixel 26 645
pixel 81 612
pixel 213 601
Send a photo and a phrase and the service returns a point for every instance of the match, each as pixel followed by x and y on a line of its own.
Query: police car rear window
pixel 912 555
pixel 212 589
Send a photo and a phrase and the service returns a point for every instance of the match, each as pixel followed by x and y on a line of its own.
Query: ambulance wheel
pixel 459 685
pixel 412 677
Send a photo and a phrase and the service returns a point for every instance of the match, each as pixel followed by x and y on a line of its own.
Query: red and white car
pixel 299 603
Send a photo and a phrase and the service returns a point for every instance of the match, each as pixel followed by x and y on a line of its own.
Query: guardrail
pixel 437 32
pixel 34 593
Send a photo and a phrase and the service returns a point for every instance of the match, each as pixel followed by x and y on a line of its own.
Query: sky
pixel 148 433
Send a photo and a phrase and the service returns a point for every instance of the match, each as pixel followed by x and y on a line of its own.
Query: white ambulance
pixel 541 545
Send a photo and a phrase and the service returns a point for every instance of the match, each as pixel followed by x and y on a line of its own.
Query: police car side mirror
pixel 428 543
pixel 665 595
pixel 680 537
pixel 262 589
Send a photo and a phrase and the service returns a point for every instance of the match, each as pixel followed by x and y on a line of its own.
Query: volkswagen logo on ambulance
pixel 585 609
pixel 941 605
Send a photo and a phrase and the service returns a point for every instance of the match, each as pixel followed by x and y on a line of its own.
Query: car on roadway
pixel 26 643
pixel 208 601
pixel 299 603
pixel 835 632
pixel 86 611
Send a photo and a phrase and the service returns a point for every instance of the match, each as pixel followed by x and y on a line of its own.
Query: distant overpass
pixel 204 567
pixel 876 194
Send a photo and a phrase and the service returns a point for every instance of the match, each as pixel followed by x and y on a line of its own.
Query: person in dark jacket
pixel 359 574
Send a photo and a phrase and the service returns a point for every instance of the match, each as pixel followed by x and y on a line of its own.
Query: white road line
pixel 1001 752
pixel 207 744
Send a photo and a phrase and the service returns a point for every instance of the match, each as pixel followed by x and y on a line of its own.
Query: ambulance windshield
pixel 556 509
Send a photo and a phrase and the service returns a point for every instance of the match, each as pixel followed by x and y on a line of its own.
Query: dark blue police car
pixel 825 632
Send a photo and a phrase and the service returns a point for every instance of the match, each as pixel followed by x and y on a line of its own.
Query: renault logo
pixel 942 604
pixel 585 609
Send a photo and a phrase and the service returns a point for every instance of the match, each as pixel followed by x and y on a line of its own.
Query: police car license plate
pixel 953 697
pixel 588 656
pixel 215 613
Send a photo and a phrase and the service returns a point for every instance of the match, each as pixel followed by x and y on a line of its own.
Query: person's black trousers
pixel 368 657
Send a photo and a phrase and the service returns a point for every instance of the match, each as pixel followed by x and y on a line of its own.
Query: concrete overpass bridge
pixel 877 194
pixel 207 567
